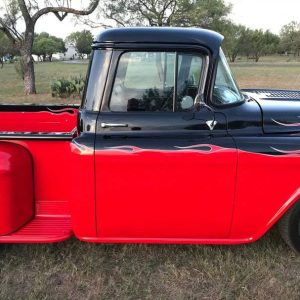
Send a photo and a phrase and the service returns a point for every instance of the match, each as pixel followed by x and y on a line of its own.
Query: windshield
pixel 225 90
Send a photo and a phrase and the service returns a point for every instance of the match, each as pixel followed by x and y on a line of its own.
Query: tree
pixel 272 42
pixel 46 45
pixel 200 13
pixel 290 38
pixel 138 12
pixel 255 43
pixel 209 14
pixel 30 11
pixel 82 41
pixel 7 49
pixel 232 44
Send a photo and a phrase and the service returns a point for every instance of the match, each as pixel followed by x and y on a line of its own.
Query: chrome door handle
pixel 108 125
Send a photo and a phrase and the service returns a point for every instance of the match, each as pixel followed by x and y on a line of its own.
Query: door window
pixel 188 79
pixel 146 81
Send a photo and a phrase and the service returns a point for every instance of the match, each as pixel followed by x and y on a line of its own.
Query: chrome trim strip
pixel 204 74
pixel 7 135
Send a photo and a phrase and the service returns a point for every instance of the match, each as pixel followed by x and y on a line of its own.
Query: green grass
pixel 11 86
pixel 267 269
pixel 262 75
pixel 75 270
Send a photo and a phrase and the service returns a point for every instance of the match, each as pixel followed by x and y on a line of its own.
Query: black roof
pixel 170 35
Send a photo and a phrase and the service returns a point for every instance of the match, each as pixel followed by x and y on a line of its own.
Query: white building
pixel 71 54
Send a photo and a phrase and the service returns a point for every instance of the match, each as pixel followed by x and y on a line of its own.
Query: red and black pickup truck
pixel 164 148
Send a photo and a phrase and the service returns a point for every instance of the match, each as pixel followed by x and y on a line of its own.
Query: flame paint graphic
pixel 125 148
pixel 286 124
pixel 63 110
pixel 291 152
pixel 205 148
pixel 202 148
pixel 82 148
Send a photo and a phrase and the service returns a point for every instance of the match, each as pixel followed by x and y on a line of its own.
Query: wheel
pixel 289 227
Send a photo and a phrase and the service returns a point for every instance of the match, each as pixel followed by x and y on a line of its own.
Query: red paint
pixel 165 194
pixel 267 186
pixel 45 229
pixel 82 197
pixel 58 169
pixel 262 196
pixel 16 186
pixel 52 168
pixel 61 121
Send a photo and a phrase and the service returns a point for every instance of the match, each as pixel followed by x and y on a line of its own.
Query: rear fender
pixel 16 187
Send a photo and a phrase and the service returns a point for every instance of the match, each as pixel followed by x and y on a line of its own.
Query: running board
pixel 42 229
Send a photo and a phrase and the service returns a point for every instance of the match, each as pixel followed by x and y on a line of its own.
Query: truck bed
pixel 45 132
pixel 37 120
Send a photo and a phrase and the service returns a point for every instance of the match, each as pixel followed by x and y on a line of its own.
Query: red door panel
pixel 158 193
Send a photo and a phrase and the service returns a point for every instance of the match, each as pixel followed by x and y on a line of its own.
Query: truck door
pixel 164 171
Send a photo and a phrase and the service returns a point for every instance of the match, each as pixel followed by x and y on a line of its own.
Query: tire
pixel 289 227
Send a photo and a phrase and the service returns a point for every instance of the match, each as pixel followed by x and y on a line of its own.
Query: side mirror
pixel 199 102
pixel 187 103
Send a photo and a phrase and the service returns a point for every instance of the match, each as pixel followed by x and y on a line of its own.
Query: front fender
pixel 268 183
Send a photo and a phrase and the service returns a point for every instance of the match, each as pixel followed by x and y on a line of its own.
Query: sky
pixel 256 14
pixel 265 14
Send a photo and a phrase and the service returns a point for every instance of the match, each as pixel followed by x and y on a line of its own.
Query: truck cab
pixel 167 149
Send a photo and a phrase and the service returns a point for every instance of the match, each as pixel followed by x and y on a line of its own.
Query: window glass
pixel 188 79
pixel 145 81
pixel 97 78
pixel 225 90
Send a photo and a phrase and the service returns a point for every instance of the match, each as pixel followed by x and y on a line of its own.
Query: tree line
pixel 210 14
pixel 45 45
pixel 240 40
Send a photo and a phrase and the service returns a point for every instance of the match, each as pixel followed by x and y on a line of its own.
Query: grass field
pixel 11 86
pixel 75 270
pixel 267 75
pixel 267 269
